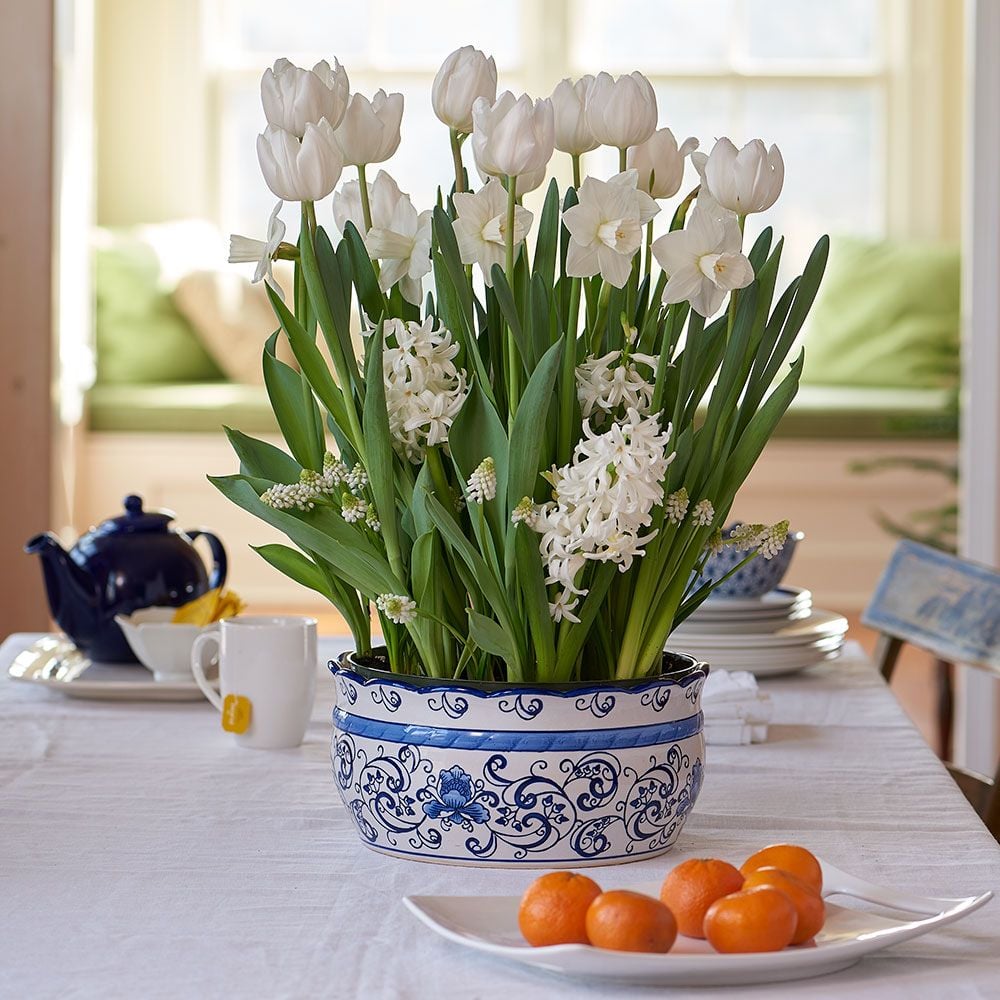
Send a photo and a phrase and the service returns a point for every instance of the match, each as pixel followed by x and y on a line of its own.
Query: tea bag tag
pixel 236 711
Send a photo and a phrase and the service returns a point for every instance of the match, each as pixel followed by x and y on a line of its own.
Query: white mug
pixel 269 662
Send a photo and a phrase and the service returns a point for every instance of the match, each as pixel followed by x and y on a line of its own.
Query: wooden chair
pixel 949 607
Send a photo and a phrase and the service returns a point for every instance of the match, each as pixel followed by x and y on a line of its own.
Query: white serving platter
pixel 818 625
pixel 55 663
pixel 489 924
pixel 780 598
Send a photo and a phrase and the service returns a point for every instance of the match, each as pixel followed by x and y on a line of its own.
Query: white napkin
pixel 736 711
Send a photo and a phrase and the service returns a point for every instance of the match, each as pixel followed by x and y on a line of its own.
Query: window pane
pixel 797 32
pixel 337 27
pixel 664 37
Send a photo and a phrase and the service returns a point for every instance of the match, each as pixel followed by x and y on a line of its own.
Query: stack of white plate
pixel 779 633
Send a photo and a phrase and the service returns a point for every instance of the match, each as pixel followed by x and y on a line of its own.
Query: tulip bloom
pixel 621 112
pixel 295 97
pixel 572 133
pixel 704 262
pixel 300 171
pixel 466 75
pixel 369 132
pixel 660 163
pixel 606 227
pixel 512 137
pixel 481 226
pixel 746 180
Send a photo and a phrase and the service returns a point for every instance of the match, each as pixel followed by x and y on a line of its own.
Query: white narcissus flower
pixel 513 136
pixel 404 247
pixel 300 171
pixel 244 250
pixel 572 133
pixel 606 227
pixel 746 180
pixel 621 112
pixel 703 262
pixel 369 131
pixel 293 97
pixel 660 162
pixel 383 194
pixel 467 74
pixel 480 228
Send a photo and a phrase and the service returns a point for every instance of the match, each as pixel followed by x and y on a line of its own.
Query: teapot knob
pixel 133 504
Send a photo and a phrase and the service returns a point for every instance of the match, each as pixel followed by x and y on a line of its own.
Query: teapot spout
pixel 73 594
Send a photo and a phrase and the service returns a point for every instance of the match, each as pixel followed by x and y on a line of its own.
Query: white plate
pixel 489 924
pixel 782 597
pixel 774 667
pixel 54 662
pixel 762 655
pixel 819 624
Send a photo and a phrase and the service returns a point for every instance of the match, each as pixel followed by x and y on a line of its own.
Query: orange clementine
pixel 553 909
pixel 693 886
pixel 789 858
pixel 758 919
pixel 808 903
pixel 629 921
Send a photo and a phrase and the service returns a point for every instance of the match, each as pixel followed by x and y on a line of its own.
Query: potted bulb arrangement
pixel 524 460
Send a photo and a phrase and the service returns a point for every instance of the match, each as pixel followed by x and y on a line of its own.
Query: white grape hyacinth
pixel 601 503
pixel 423 389
pixel 483 481
pixel 613 381
pixel 397 608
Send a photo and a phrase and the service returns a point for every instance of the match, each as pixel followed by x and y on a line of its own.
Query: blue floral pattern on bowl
pixel 524 776
pixel 759 577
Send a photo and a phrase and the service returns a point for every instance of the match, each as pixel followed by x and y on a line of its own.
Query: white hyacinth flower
pixel 353 508
pixel 703 513
pixel 562 609
pixel 397 608
pixel 613 382
pixel 525 512
pixel 244 250
pixel 423 389
pixel 483 481
pixel 704 262
pixel 606 227
pixel 282 496
pixel 481 226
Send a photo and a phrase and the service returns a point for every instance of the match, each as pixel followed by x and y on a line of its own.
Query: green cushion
pixel 887 314
pixel 141 337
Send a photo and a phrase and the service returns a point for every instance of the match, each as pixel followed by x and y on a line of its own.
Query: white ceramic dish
pixel 55 663
pixel 818 625
pixel 768 665
pixel 781 597
pixel 161 644
pixel 489 924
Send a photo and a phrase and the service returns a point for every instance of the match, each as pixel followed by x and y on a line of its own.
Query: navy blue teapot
pixel 128 562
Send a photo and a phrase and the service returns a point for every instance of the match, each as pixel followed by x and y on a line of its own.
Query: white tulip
pixel 606 227
pixel 512 137
pixel 523 183
pixel 746 180
pixel 369 131
pixel 481 226
pixel 572 133
pixel 383 194
pixel 293 97
pixel 300 171
pixel 703 262
pixel 621 112
pixel 464 76
pixel 660 162
pixel 404 247
pixel 244 250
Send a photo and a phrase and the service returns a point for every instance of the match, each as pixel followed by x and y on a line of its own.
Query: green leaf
pixel 365 279
pixel 296 566
pixel 490 636
pixel 476 433
pixel 547 242
pixel 296 411
pixel 531 579
pixel 508 306
pixel 444 234
pixel 263 460
pixel 528 433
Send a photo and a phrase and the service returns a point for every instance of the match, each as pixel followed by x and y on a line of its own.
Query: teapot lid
pixel 136 519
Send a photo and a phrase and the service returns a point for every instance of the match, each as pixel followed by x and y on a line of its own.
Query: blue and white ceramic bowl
pixel 759 577
pixel 559 776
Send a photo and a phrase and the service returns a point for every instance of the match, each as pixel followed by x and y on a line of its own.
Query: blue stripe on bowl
pixel 504 739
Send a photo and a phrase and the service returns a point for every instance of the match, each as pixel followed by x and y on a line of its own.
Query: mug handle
pixel 211 634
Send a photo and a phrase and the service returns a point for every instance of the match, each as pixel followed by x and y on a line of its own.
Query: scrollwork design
pixel 454 706
pixel 385 696
pixel 522 707
pixel 599 704
pixel 656 697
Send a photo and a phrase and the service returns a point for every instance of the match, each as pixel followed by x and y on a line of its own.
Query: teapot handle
pixel 218 575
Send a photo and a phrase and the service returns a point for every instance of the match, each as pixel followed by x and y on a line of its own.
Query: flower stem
pixel 567 387
pixel 456 156
pixel 366 209
pixel 622 159
pixel 576 171
pixel 513 379
pixel 649 248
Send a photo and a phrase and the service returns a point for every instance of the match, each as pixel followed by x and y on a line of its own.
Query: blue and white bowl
pixel 759 577
pixel 556 776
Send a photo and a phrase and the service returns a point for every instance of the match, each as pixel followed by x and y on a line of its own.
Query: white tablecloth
pixel 144 855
